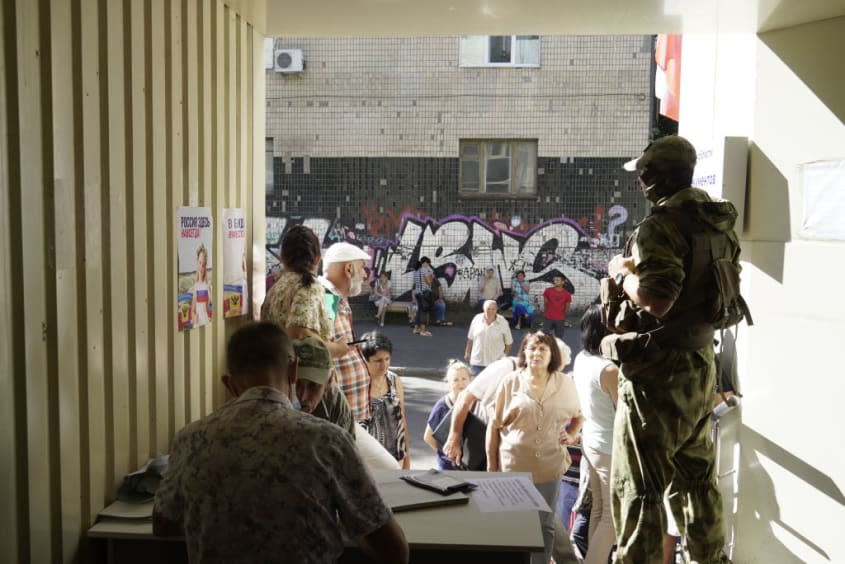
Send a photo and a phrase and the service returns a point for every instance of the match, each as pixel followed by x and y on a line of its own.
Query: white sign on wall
pixel 824 200
pixel 722 172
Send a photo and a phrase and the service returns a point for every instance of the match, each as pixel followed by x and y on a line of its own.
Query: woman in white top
pixel 597 380
pixel 536 415
pixel 381 296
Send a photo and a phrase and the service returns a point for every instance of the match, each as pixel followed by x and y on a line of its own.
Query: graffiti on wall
pixel 460 247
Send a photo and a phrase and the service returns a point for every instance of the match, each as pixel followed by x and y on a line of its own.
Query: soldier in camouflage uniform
pixel 667 386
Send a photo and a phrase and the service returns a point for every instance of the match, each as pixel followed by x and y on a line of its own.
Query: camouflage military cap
pixel 672 149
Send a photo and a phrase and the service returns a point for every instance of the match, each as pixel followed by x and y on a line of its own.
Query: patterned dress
pixel 386 423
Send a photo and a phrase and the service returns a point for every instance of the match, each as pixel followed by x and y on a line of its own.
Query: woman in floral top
pixel 387 421
pixel 297 301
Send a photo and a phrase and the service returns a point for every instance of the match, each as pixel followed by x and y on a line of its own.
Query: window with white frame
pixel 498 166
pixel 500 51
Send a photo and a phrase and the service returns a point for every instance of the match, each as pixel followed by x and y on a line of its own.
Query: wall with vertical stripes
pixel 112 114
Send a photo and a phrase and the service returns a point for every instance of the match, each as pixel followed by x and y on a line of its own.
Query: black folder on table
pixel 402 496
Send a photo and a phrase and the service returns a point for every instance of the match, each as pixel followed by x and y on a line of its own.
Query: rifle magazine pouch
pixel 618 313
pixel 611 301
pixel 627 347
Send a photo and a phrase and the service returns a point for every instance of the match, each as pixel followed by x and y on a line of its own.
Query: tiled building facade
pixel 367 144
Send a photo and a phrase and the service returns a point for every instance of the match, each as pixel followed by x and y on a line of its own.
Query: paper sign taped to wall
pixel 235 287
pixel 824 200
pixel 194 237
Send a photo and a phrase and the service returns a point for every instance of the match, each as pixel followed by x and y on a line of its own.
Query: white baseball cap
pixel 344 252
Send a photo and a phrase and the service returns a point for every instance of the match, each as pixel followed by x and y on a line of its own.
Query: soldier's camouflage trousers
pixel 662 439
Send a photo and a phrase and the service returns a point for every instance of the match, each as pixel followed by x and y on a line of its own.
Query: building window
pixel 500 51
pixel 498 166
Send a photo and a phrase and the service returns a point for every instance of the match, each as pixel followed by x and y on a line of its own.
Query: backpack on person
pixel 712 284
pixel 713 266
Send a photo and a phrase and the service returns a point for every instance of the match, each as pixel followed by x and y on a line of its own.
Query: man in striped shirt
pixel 422 295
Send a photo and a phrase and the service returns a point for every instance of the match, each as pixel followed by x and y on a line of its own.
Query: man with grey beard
pixel 343 277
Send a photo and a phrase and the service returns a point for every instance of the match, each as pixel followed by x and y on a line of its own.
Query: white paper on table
pixel 515 493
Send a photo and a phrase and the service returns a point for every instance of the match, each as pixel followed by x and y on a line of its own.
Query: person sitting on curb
pixel 381 296
pixel 439 305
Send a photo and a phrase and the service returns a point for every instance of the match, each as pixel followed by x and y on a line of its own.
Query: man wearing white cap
pixel 343 277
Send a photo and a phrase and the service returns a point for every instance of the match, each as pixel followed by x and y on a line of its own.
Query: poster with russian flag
pixel 194 237
pixel 235 292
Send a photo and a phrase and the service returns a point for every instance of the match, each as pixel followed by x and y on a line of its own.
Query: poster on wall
pixel 235 292
pixel 824 200
pixel 194 237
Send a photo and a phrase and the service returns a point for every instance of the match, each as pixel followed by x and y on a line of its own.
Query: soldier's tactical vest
pixel 709 298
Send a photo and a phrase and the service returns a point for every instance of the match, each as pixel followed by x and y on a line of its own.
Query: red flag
pixel 667 55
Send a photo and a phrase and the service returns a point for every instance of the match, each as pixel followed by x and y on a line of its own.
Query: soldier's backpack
pixel 711 286
pixel 713 270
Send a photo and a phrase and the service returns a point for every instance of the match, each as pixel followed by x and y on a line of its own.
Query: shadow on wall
pixel 799 48
pixel 759 499
pixel 766 212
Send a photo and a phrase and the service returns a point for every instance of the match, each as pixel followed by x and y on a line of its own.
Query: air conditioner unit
pixel 288 60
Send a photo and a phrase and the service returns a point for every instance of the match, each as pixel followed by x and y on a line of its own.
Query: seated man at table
pixel 322 398
pixel 316 393
pixel 258 481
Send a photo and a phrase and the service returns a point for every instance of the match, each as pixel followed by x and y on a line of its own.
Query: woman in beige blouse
pixel 536 414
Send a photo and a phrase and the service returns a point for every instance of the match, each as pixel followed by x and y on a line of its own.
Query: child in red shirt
pixel 556 302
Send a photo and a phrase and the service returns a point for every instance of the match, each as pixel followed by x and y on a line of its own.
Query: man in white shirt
pixel 489 338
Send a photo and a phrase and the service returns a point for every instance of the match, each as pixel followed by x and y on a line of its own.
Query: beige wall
pixel 112 115
pixel 782 90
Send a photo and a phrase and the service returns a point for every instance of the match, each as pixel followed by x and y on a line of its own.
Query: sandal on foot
pixel 424 334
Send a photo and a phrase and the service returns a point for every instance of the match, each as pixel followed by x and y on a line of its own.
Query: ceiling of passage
pixel 546 17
